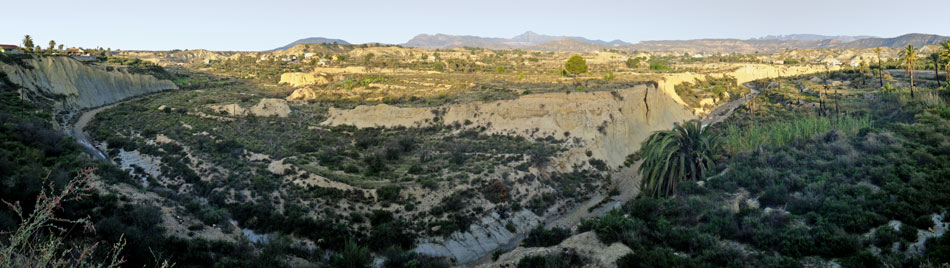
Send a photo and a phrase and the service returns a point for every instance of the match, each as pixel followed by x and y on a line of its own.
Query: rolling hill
pixel 312 40
pixel 749 46
pixel 814 37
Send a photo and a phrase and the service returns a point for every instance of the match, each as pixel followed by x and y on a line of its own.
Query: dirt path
pixel 76 130
pixel 725 110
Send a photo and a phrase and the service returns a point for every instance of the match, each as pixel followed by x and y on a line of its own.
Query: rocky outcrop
pixel 67 84
pixel 298 79
pixel 586 245
pixel 482 238
pixel 266 107
pixel 609 124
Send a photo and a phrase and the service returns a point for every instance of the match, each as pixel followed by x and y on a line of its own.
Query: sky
pixel 241 25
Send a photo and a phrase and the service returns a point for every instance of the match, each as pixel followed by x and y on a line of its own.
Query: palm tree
pixel 909 54
pixel 862 68
pixel 28 43
pixel 669 156
pixel 945 54
pixel 880 68
pixel 935 57
pixel 52 45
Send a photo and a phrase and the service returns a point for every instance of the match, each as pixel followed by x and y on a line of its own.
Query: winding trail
pixel 76 130
pixel 724 111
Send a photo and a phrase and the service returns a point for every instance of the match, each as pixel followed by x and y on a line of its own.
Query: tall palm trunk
pixel 880 66
pixel 911 82
pixel 837 112
pixel 937 73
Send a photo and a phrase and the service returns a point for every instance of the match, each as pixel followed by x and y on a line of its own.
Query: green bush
pixel 541 237
pixel 609 228
pixel 908 233
pixel 885 236
pixel 655 257
pixel 557 260
pixel 353 256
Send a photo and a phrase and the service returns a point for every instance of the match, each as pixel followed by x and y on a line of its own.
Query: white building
pixel 10 49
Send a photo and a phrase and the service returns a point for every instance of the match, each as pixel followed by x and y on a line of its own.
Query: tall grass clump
pixel 739 139
pixel 927 98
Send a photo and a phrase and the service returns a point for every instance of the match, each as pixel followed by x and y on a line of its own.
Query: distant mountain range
pixel 534 41
pixel 749 46
pixel 312 40
pixel 813 37
pixel 524 40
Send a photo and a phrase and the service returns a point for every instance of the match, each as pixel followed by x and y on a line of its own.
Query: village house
pixel 75 52
pixel 10 49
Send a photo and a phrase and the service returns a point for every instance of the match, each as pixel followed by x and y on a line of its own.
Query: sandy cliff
pixel 67 84
pixel 609 124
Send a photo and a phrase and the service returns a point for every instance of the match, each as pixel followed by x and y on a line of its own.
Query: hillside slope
pixel 67 84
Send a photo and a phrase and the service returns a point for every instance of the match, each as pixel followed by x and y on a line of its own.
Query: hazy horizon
pixel 249 26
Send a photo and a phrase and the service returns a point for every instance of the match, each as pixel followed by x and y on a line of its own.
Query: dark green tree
pixel 935 57
pixel 945 54
pixel 633 62
pixel 575 65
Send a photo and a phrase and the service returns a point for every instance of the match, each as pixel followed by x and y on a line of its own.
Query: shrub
pixel 655 257
pixel 863 259
pixel 353 256
pixel 564 259
pixel 390 234
pixel 885 236
pixel 598 164
pixel 389 193
pixel 610 227
pixel 541 237
pixel 496 191
pixel 908 233
pixel 775 195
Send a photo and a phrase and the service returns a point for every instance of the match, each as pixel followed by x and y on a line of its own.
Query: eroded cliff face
pixel 611 125
pixel 67 84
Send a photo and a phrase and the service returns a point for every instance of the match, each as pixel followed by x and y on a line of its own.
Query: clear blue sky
pixel 266 24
